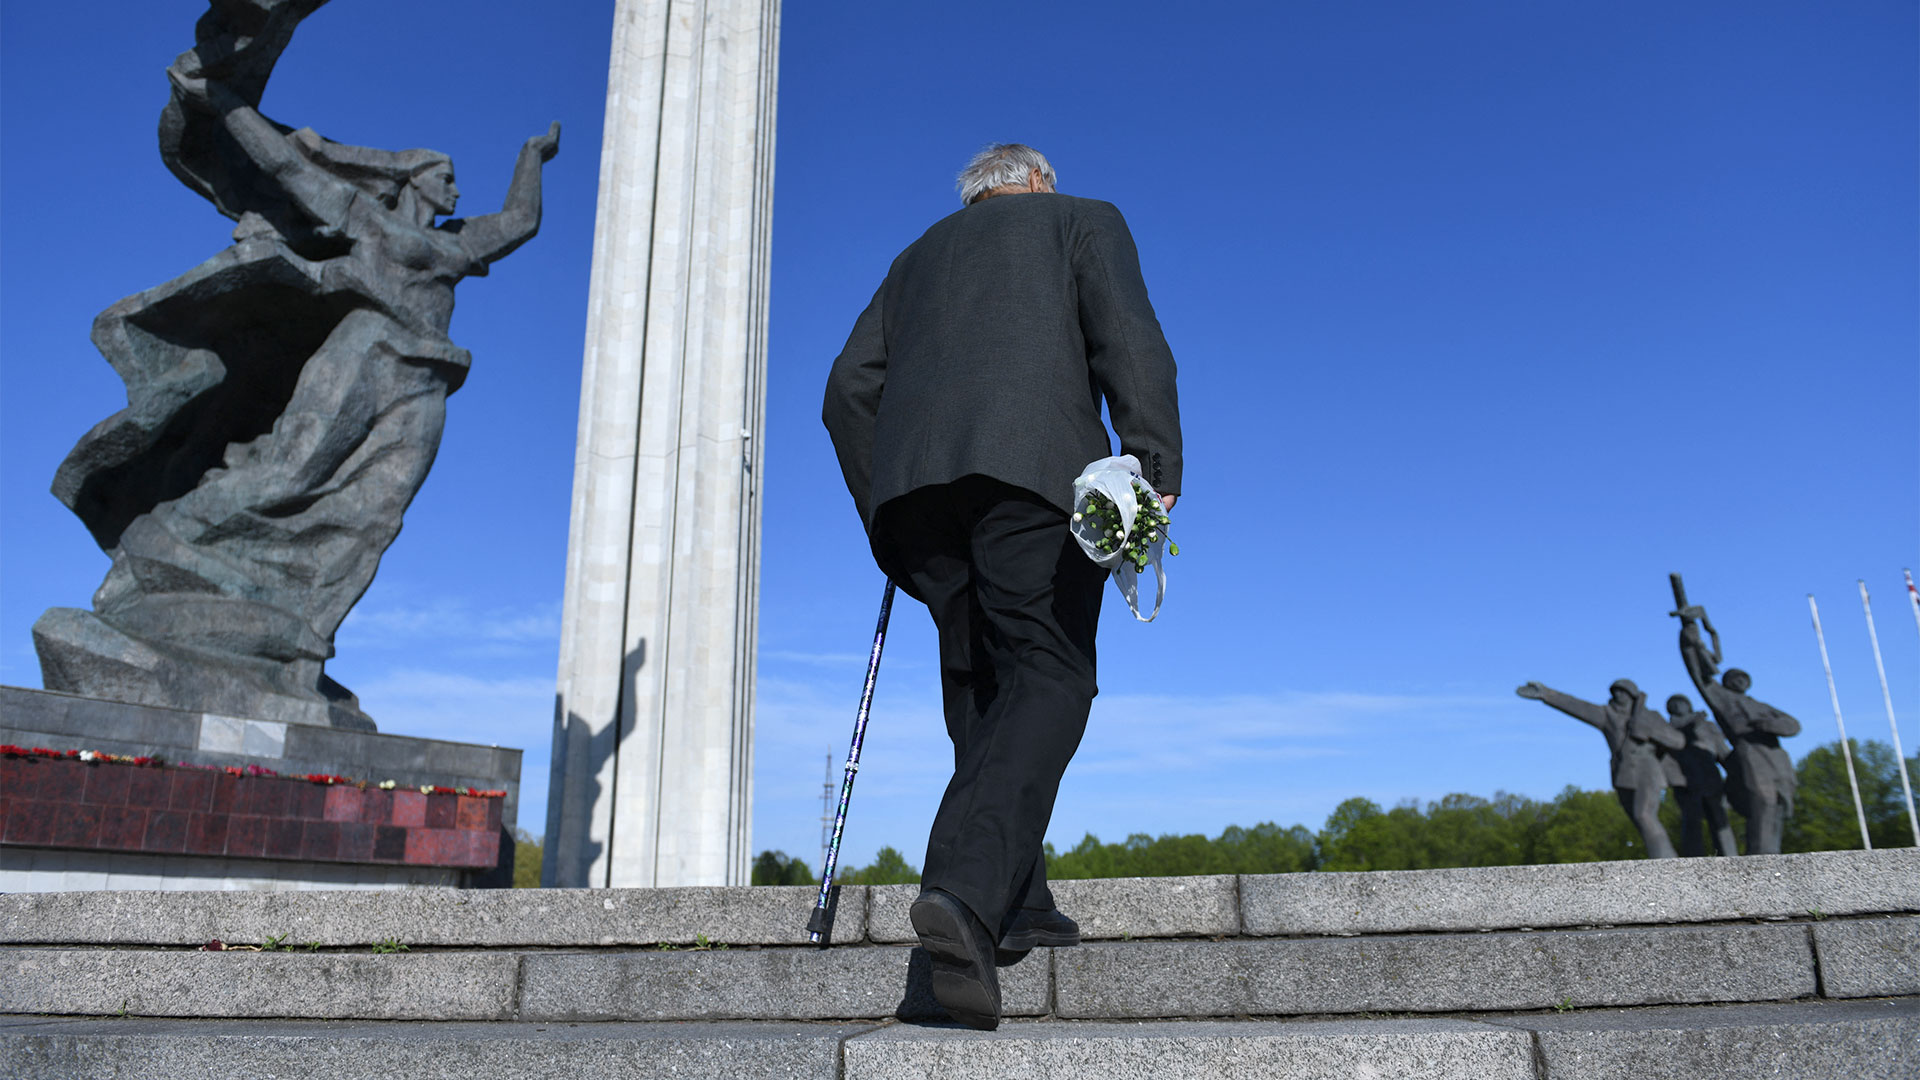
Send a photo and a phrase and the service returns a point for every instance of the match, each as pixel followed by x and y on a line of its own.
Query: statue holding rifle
pixel 1760 779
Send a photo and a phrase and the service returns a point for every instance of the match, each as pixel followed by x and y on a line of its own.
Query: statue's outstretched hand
pixel 1532 691
pixel 548 144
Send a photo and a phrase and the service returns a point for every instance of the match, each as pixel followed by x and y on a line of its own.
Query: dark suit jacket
pixel 988 348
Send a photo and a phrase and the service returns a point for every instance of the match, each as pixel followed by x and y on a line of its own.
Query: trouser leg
pixel 1764 811
pixel 1723 842
pixel 1690 820
pixel 968 687
pixel 1643 806
pixel 1031 893
pixel 1031 618
pixel 1763 827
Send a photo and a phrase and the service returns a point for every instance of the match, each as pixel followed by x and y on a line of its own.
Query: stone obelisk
pixel 653 718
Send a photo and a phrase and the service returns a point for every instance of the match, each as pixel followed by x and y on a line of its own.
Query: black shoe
pixel 1032 929
pixel 964 979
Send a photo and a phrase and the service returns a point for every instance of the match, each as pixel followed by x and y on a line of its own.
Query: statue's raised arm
pixel 323 197
pixel 492 237
pixel 1575 707
pixel 1634 735
pixel 1701 662
pixel 237 45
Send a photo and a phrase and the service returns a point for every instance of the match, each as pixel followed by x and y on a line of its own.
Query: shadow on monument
pixel 574 788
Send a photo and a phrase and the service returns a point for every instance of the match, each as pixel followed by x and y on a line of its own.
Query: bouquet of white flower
pixel 1122 525
pixel 1150 523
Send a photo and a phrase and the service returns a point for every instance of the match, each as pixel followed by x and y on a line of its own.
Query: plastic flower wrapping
pixel 1122 525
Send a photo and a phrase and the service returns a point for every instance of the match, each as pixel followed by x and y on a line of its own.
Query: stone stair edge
pixel 1865 1040
pixel 1339 903
pixel 361 942
pixel 1104 980
pixel 1598 1018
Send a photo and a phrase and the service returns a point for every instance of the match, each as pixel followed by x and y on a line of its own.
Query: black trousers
pixel 1017 606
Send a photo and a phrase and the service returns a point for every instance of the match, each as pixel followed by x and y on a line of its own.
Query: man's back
pixel 996 335
pixel 964 404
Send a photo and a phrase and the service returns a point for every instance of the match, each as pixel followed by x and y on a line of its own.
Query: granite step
pixel 1493 898
pixel 1810 1040
pixel 1836 925
pixel 1173 978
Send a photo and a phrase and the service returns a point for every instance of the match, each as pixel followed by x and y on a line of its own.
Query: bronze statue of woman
pixel 285 398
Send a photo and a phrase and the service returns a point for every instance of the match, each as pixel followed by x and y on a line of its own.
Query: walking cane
pixel 822 923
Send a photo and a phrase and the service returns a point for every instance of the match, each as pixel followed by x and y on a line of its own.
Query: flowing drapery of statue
pixel 285 398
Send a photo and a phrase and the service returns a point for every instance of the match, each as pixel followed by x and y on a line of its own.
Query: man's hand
pixel 1532 691
pixel 1168 500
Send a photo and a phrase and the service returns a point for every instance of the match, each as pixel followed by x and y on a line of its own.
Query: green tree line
pixel 889 867
pixel 1458 830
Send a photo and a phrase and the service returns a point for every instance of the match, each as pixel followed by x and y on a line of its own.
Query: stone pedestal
pixel 216 818
pixel 653 721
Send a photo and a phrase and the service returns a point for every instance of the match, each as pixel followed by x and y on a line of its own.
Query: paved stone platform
pixel 1814 1040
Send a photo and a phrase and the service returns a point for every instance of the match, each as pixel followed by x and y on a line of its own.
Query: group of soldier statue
pixel 1685 752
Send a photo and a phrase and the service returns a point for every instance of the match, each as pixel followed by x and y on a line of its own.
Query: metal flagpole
pixel 1899 755
pixel 820 922
pixel 1846 749
pixel 1913 595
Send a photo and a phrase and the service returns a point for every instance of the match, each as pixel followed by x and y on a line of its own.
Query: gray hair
pixel 999 165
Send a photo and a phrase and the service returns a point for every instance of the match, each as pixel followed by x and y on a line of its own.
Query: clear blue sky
pixel 1489 315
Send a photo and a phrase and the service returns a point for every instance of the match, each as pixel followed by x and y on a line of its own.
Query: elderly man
pixel 964 404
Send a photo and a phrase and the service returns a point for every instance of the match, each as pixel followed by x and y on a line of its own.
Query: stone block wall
pixel 42 718
pixel 103 806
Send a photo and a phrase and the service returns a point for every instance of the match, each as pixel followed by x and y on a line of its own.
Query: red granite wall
pixel 103 806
